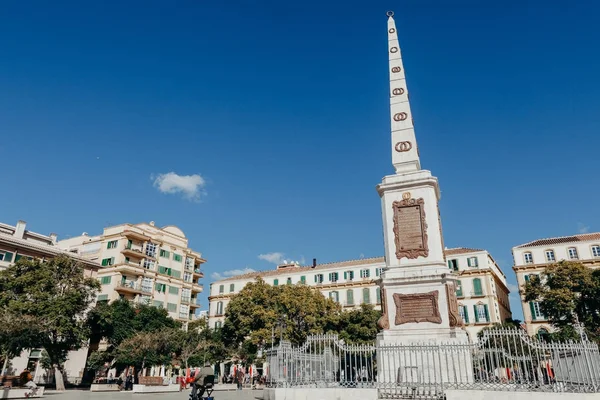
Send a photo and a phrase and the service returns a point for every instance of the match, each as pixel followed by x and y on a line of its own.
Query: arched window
pixel 367 296
pixel 543 333
pixel 220 308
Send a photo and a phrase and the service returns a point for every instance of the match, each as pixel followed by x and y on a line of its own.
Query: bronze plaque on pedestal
pixel 417 307
pixel 410 228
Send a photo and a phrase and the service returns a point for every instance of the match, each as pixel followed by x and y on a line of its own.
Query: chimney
pixel 20 229
pixel 314 262
pixel 53 237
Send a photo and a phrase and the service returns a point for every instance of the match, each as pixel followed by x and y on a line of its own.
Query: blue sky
pixel 281 108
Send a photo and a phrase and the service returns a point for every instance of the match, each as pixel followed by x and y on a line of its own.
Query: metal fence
pixel 502 359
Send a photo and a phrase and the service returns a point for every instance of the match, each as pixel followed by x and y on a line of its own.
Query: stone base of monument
pixel 104 387
pixel 20 393
pixel 299 393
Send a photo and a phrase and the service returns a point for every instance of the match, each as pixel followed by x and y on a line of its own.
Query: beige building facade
pixel 482 294
pixel 144 264
pixel 17 242
pixel 530 259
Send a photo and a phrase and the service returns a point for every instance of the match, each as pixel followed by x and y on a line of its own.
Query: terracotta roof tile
pixel 562 239
pixel 460 250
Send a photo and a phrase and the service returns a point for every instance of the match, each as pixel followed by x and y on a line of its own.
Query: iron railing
pixel 502 359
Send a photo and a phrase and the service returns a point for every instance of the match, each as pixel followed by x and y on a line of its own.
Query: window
pixel 543 333
pixel 177 257
pixel 187 277
pixel 147 285
pixel 171 307
pixel 303 279
pixel 232 288
pixel 350 297
pixel 160 287
pixel 275 282
pixel 128 245
pixel 333 277
pixel 149 264
pixel 472 262
pixel 19 256
pixel 218 325
pixel 289 281
pixel 158 304
pixel 453 265
pixel 573 253
pixel 481 313
pixel 335 296
pixel 477 289
pixel 378 271
pixel 6 256
pixel 221 289
pixel 184 311
pixel 189 263
pixel 151 250
pixel 550 256
pixel 164 270
pixel 145 300
pixel 173 290
pixel 112 244
pixel 528 258
pixel 108 261
pixel 349 275
pixel 378 295
pixel 105 280
pixel 220 308
pixel 459 292
pixel 365 273
pixel 595 251
pixel 102 297
pixel 464 313
pixel 186 295
pixel 536 312
pixel 319 278
pixel 366 296
pixel 175 273
pixel 164 253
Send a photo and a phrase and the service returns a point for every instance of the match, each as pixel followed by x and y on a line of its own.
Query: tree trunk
pixel 4 365
pixel 60 383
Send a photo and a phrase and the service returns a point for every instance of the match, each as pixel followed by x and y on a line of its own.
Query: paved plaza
pixel 85 394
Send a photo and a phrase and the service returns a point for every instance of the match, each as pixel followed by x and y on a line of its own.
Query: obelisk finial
pixel 405 155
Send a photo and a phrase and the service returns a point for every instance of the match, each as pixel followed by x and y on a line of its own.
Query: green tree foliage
pixel 55 294
pixel 568 292
pixel 148 348
pixel 359 326
pixel 17 333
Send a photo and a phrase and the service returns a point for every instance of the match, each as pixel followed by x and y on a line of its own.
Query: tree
pixel 359 326
pixel 148 348
pixel 55 294
pixel 568 292
pixel 17 333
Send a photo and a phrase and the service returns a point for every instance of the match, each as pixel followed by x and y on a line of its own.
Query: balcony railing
pixel 130 285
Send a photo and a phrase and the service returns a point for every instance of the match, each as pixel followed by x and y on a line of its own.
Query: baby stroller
pixel 208 384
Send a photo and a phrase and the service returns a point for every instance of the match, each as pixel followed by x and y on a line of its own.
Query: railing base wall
pixel 501 395
pixel 319 394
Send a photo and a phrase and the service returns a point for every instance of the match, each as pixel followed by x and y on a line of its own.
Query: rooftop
pixel 562 239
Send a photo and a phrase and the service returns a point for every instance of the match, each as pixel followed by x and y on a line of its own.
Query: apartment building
pixel 17 242
pixel 144 264
pixel 482 294
pixel 533 257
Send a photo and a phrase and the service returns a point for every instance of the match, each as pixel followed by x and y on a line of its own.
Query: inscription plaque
pixel 418 307
pixel 410 228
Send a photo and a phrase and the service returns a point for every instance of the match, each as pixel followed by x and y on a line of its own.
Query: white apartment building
pixel 17 242
pixel 533 257
pixel 482 294
pixel 145 264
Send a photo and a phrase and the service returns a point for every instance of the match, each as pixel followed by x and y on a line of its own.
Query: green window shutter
pixel 459 292
pixel 176 257
pixel 350 296
pixel 477 287
pixel 105 280
pixel 316 280
pixel 171 307
pixel 532 309
pixel 102 297
pixel 487 314
pixel 176 274
pixel 367 273
pixel 129 243
pixel 345 275
pixel 366 296
pixel 303 279
pixel 376 271
pixel 108 245
pixel 526 278
pixel 450 264
pixel 276 282
pixel 475 311
pixel 104 262
pixel 173 290
pixel 157 286
pixel 221 288
pixel 378 295
pixel 289 281
pixel 232 287
pixel 161 269
pixel 8 256
pixel 112 261
pixel 466 311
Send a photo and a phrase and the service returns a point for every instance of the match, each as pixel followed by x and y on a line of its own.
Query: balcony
pixel 194 302
pixel 135 235
pixel 133 251
pixel 185 300
pixel 198 273
pixel 128 287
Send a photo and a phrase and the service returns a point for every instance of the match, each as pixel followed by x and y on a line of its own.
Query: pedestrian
pixel 240 378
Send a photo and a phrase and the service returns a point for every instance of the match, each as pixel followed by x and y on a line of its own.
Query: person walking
pixel 240 378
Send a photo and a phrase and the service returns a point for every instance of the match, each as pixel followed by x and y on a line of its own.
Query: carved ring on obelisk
pixel 406 196
pixel 400 116
pixel 396 69
pixel 398 91
pixel 394 50
pixel 401 147
pixel 392 30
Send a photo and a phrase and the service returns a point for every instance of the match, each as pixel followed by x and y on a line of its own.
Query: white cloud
pixel 274 258
pixel 582 228
pixel 232 272
pixel 190 186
